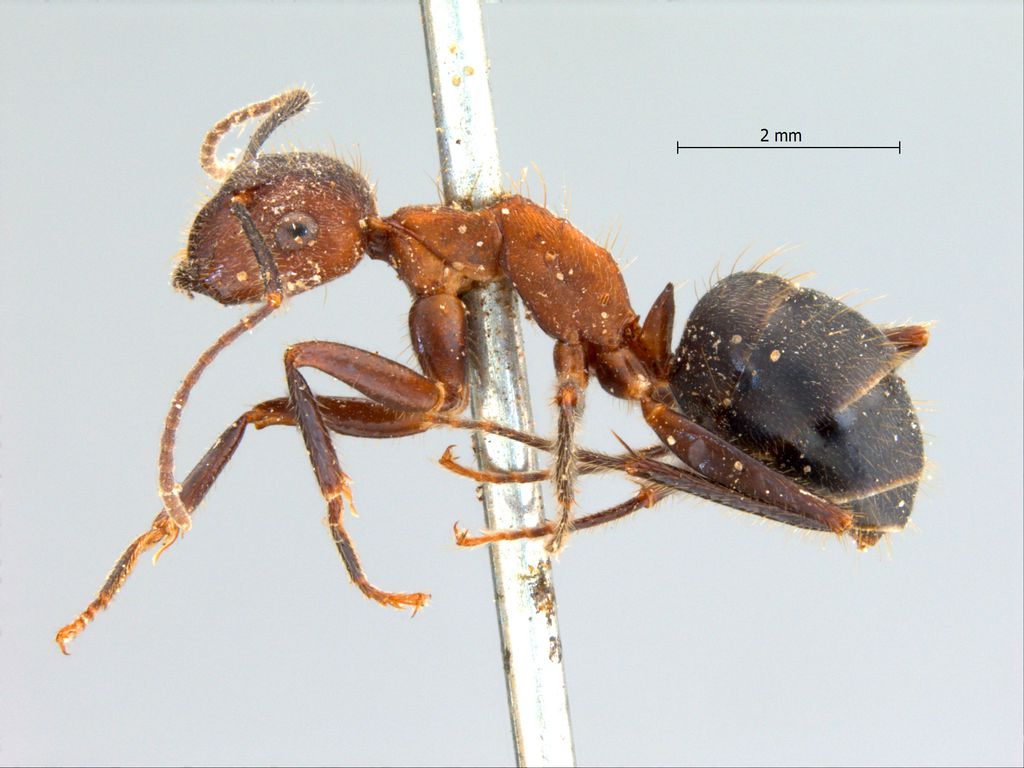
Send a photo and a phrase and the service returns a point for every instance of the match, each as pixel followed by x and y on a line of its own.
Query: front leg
pixel 163 530
pixel 344 415
pixel 437 326
pixel 333 482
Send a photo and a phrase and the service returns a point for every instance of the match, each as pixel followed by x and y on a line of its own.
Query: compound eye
pixel 296 230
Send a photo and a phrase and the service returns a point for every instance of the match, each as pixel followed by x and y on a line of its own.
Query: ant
pixel 793 410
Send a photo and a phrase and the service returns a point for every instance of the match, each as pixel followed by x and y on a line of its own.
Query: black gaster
pixel 808 385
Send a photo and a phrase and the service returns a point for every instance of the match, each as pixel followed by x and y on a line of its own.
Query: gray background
pixel 691 633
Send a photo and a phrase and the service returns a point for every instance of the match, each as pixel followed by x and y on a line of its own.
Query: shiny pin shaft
pixel 523 587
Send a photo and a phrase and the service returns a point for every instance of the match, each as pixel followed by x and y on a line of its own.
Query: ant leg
pixel 678 478
pixel 449 462
pixel 163 530
pixel 645 498
pixel 590 462
pixel 349 416
pixel 332 481
pixel 571 368
pixel 730 468
pixel 437 328
pixel 668 478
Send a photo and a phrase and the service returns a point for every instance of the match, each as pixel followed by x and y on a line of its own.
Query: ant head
pixel 306 208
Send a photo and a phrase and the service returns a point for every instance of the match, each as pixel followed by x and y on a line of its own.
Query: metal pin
pixel 523 588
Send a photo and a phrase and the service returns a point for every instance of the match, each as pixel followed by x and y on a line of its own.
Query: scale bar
pixel 898 147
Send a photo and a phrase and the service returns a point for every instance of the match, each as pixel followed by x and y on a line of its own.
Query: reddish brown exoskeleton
pixel 284 223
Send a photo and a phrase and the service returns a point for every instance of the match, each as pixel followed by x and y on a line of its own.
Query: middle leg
pixel 571 369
